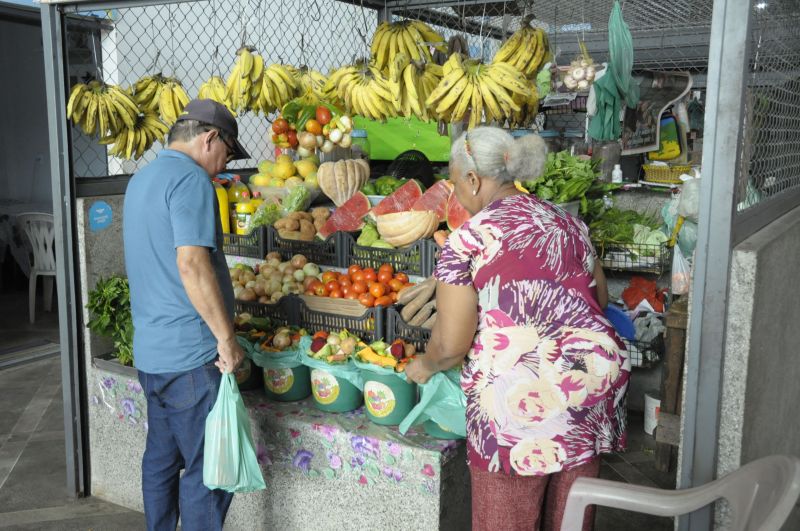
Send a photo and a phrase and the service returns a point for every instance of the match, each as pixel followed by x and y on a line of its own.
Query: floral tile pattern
pixel 123 397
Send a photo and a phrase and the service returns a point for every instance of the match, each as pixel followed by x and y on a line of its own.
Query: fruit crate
pixel 415 260
pixel 397 328
pixel 285 312
pixel 324 253
pixel 369 326
pixel 642 258
pixel 253 245
pixel 645 354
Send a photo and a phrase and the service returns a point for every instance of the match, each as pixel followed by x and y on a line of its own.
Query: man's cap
pixel 217 115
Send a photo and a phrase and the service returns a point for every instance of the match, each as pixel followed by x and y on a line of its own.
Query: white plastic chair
pixel 760 496
pixel 41 232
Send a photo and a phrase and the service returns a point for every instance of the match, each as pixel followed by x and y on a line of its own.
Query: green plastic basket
pixel 332 394
pixel 287 385
pixel 388 399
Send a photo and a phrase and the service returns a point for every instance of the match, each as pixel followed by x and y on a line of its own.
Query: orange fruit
pixel 314 127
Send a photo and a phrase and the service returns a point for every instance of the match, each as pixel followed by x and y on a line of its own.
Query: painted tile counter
pixel 324 471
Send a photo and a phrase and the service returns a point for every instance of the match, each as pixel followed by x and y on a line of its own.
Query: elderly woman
pixel 545 375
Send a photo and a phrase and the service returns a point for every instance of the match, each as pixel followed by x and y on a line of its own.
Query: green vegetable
pixel 369 189
pixel 369 234
pixel 380 244
pixel 266 215
pixel 617 226
pixel 387 184
pixel 297 199
pixel 566 178
pixel 110 310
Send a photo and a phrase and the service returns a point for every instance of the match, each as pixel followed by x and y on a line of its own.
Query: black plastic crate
pixel 253 245
pixel 285 312
pixel 317 251
pixel 642 258
pixel 645 354
pixel 369 327
pixel 397 328
pixel 416 259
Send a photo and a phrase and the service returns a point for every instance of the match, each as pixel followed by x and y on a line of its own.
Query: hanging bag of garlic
pixel 581 71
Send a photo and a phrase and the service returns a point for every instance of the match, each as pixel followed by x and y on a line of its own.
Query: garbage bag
pixel 441 400
pixel 229 459
pixel 681 273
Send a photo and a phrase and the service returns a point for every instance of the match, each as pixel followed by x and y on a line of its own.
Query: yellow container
pixel 256 201
pixel 244 211
pixel 238 191
pixel 224 207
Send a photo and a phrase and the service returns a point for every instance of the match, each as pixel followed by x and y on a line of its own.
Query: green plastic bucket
pixel 248 376
pixel 333 394
pixel 287 385
pixel 388 399
pixel 437 431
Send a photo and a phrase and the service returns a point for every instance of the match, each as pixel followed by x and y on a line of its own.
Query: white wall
pixel 24 151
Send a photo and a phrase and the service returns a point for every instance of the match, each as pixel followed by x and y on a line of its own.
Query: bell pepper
pixel 370 356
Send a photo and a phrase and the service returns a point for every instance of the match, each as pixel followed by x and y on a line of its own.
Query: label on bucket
pixel 325 386
pixel 279 381
pixel 379 399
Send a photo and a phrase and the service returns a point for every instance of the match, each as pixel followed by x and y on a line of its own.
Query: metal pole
pixel 63 210
pixel 727 63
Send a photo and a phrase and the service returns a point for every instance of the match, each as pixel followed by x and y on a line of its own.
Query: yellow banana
pixel 510 79
pixel 505 100
pixel 90 120
pixel 258 69
pixel 476 112
pixel 166 106
pixel 452 95
pixel 75 96
pixel 508 49
pixel 447 82
pixel 493 110
pixel 463 103
pixel 411 44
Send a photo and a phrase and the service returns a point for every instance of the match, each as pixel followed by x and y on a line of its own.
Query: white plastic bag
pixel 689 205
pixel 681 272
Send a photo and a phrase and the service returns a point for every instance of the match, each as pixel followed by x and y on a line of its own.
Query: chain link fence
pixel 194 40
pixel 770 149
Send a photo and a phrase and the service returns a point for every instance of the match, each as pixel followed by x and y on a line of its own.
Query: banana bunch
pixel 525 50
pixel 529 108
pixel 147 91
pixel 101 109
pixel 245 81
pixel 131 143
pixel 308 80
pixel 411 37
pixel 364 90
pixel 410 83
pixel 163 94
pixel 278 87
pixel 471 85
pixel 214 89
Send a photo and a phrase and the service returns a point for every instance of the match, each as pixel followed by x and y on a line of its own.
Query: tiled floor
pixel 32 457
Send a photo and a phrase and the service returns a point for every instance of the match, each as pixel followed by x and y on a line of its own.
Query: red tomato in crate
pixel 367 300
pixel 370 275
pixel 353 269
pixel 383 301
pixel 402 277
pixel 386 267
pixel 280 126
pixel 384 277
pixel 332 286
pixel 323 115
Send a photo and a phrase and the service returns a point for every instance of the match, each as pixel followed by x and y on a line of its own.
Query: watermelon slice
pixel 399 201
pixel 349 217
pixel 435 199
pixel 456 214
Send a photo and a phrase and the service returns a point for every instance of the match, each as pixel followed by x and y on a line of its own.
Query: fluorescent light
pixel 761 5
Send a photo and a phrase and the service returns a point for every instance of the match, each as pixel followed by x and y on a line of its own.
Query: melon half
pixel 404 228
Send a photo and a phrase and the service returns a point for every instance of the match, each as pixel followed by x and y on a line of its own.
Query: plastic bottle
pixel 237 192
pixel 244 211
pixel 616 174
pixel 224 207
pixel 257 200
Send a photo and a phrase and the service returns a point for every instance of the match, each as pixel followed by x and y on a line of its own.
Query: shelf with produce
pixel 414 260
pixel 321 252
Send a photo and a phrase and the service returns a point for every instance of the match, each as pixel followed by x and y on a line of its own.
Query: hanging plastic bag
pixel 681 272
pixel 229 459
pixel 443 401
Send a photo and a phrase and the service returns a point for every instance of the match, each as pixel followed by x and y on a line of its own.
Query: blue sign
pixel 100 216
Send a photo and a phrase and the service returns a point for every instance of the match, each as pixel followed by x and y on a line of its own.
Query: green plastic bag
pixel 441 400
pixel 229 459
pixel 285 359
pixel 379 370
pixel 345 371
pixel 620 53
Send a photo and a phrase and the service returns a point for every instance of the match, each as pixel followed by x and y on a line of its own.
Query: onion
pixel 348 345
pixel 311 269
pixel 578 74
pixel 274 285
pixel 299 275
pixel 307 281
pixel 299 261
pixel 583 84
pixel 275 297
pixel 250 284
pixel 346 141
pixel 282 340
pixel 237 290
pixel 273 255
pixel 333 339
pixel 570 82
pixel 260 288
pixel 247 295
pixel 336 135
pixel 303 152
pixel 327 147
pixel 235 274
pixel 590 73
pixel 320 140
pixel 288 278
pixel 273 262
pixel 282 266
pixel 264 299
pixel 247 276
pixel 584 63
pixel 346 123
pixel 286 288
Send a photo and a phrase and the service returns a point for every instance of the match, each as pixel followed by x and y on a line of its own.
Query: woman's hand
pixel 418 372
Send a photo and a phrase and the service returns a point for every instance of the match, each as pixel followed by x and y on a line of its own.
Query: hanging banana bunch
pixel 410 83
pixel 132 143
pixel 163 94
pixel 214 89
pixel 529 108
pixel 410 37
pixel 147 91
pixel 364 90
pixel 308 79
pixel 278 87
pixel 245 81
pixel 525 50
pixel 100 109
pixel 472 86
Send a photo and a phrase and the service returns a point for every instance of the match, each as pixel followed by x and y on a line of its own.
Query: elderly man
pixel 182 306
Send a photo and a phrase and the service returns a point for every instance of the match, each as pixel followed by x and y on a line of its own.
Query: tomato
pixel 353 269
pixel 402 277
pixel 332 285
pixel 370 275
pixel 352 295
pixel 395 285
pixel 314 284
pixel 393 295
pixel 343 278
pixel 307 281
pixel 383 301
pixel 313 127
pixel 323 115
pixel 310 292
pixel 359 287
pixel 291 137
pixel 367 300
pixel 320 290
pixel 328 276
pixel 386 267
pixel 377 290
pixel 358 276
pixel 345 290
pixel 336 294
pixel 384 276
pixel 280 126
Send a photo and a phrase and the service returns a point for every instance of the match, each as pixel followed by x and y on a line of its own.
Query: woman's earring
pixel 474 192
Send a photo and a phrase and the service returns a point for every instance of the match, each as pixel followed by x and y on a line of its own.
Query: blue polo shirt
pixel 170 203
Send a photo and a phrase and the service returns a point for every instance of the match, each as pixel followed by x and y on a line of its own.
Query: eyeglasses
pixel 231 150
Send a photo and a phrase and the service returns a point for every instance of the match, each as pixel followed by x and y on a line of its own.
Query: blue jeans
pixel 177 406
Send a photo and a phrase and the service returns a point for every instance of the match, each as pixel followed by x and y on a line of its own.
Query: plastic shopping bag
pixel 681 272
pixel 441 400
pixel 229 460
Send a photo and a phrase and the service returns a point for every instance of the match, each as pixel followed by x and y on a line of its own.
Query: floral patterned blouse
pixel 546 376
